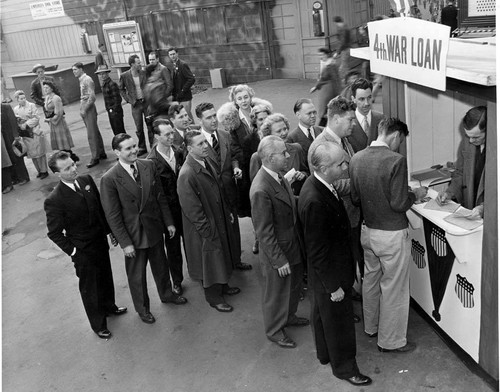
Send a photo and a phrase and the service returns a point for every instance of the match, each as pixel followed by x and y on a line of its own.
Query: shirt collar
pixel 306 131
pixel 82 76
pixel 378 143
pixel 208 136
pixel 329 186
pixel 127 168
pixel 273 174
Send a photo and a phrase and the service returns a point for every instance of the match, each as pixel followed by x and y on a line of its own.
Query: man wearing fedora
pixel 112 99
pixel 37 84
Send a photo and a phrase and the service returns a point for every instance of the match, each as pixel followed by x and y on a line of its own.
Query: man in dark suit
pixel 37 94
pixel 168 161
pixel 365 128
pixel 331 274
pixel 274 217
pixel 76 224
pixel 306 131
pixel 183 80
pixel 207 223
pixel 137 212
pixel 228 171
pixel 132 83
pixel 181 122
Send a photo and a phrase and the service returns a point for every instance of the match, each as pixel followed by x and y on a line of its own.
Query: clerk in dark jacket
pixel 330 265
pixel 168 161
pixel 137 212
pixel 76 224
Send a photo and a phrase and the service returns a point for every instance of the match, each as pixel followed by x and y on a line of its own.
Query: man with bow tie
pixel 274 217
pixel 76 223
pixel 138 213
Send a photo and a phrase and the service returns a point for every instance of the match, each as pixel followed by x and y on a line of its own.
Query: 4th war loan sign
pixel 410 49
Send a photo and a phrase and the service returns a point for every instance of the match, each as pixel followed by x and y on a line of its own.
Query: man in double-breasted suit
pixel 208 223
pixel 328 252
pixel 168 161
pixel 221 158
pixel 132 83
pixel 76 224
pixel 137 212
pixel 274 217
pixel 306 131
pixel 365 129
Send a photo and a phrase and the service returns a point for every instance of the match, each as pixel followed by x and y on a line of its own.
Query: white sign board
pixel 410 49
pixel 47 9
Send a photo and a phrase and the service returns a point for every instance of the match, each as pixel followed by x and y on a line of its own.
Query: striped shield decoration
pixel 464 291
pixel 418 253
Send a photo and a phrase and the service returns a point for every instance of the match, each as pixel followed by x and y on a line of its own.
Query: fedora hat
pixel 36 66
pixel 102 68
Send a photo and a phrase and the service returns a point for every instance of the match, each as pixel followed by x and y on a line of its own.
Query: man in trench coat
pixel 207 222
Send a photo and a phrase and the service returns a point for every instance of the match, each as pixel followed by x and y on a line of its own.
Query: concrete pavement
pixel 48 344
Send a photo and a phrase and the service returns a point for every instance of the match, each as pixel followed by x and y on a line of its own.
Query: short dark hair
pixel 340 105
pixel 118 139
pixel 131 59
pixel 174 110
pixel 172 48
pixel 475 116
pixel 203 107
pixel 190 135
pixel 53 86
pixel 155 54
pixel 360 84
pixel 78 65
pixel 158 122
pixel 392 124
pixel 299 103
pixel 338 19
pixel 57 156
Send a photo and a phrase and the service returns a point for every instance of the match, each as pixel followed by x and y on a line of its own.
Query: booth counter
pixel 454 271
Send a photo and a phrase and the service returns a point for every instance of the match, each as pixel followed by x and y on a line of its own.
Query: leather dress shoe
pixel 231 291
pixel 177 289
pixel 92 163
pixel 23 182
pixel 255 248
pixel 119 311
pixel 225 308
pixel 371 335
pixel 104 334
pixel 359 380
pixel 284 342
pixel 324 361
pixel 408 347
pixel 43 175
pixel 298 322
pixel 103 156
pixel 148 318
pixel 7 189
pixel 243 266
pixel 356 318
pixel 176 300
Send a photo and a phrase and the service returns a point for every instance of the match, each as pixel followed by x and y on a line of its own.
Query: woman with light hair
pixel 28 122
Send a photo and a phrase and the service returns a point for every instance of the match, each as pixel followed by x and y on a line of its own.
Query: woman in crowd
pixel 60 137
pixel 28 122
pixel 297 169
pixel 329 83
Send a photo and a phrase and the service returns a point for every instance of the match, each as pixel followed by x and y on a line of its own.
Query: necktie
pixel 135 173
pixel 215 144
pixel 478 168
pixel 334 192
pixel 209 168
pixel 310 134
pixel 365 125
pixel 78 189
pixel 347 147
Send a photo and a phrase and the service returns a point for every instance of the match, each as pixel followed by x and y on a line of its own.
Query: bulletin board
pixel 123 39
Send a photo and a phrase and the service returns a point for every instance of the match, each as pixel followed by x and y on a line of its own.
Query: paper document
pixel 450 206
pixel 461 219
pixel 289 176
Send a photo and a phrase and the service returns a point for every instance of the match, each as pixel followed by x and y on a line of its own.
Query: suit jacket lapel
pixel 362 135
pixel 280 192
pixel 146 182
pixel 126 181
pixel 328 195
pixel 224 148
